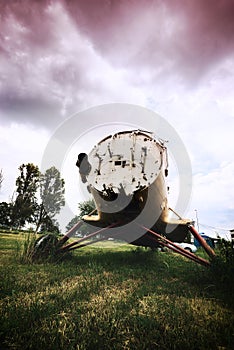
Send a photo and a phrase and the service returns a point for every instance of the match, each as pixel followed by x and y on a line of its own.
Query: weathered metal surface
pixel 91 235
pixel 125 173
pixel 201 240
pixel 70 232
pixel 126 161
pixel 163 241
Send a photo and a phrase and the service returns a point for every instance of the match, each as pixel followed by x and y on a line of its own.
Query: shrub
pixel 222 267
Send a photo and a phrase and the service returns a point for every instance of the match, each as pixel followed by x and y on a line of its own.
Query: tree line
pixel 38 198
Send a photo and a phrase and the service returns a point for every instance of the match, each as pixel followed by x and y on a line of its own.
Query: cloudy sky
pixel 175 57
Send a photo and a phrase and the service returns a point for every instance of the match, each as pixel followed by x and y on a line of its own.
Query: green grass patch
pixel 112 296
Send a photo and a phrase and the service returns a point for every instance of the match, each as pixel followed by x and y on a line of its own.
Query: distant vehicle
pixel 187 246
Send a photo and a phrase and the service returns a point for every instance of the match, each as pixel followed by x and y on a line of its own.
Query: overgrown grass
pixel 105 298
pixel 223 264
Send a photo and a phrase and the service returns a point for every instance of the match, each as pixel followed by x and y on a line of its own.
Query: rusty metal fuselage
pixel 126 176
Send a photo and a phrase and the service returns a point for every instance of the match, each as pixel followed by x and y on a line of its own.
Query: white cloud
pixel 19 144
pixel 213 196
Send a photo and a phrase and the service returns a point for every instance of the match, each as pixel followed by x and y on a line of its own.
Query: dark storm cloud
pixel 50 51
pixel 178 36
pixel 25 35
pixel 208 35
pixel 30 16
pixel 41 75
pixel 27 109
pixel 191 34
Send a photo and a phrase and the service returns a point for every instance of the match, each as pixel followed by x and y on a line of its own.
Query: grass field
pixel 112 296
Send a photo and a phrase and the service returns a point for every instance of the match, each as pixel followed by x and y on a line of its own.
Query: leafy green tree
pixel 52 196
pixel 24 205
pixel 84 208
pixel 49 225
pixel 5 214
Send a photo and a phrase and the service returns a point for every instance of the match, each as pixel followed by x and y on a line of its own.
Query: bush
pixel 222 267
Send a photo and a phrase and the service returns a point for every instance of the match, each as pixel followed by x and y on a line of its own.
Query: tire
pixel 188 249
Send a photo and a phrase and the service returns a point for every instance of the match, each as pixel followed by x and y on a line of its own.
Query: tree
pixel 85 208
pixel 23 207
pixel 49 225
pixel 5 214
pixel 52 196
